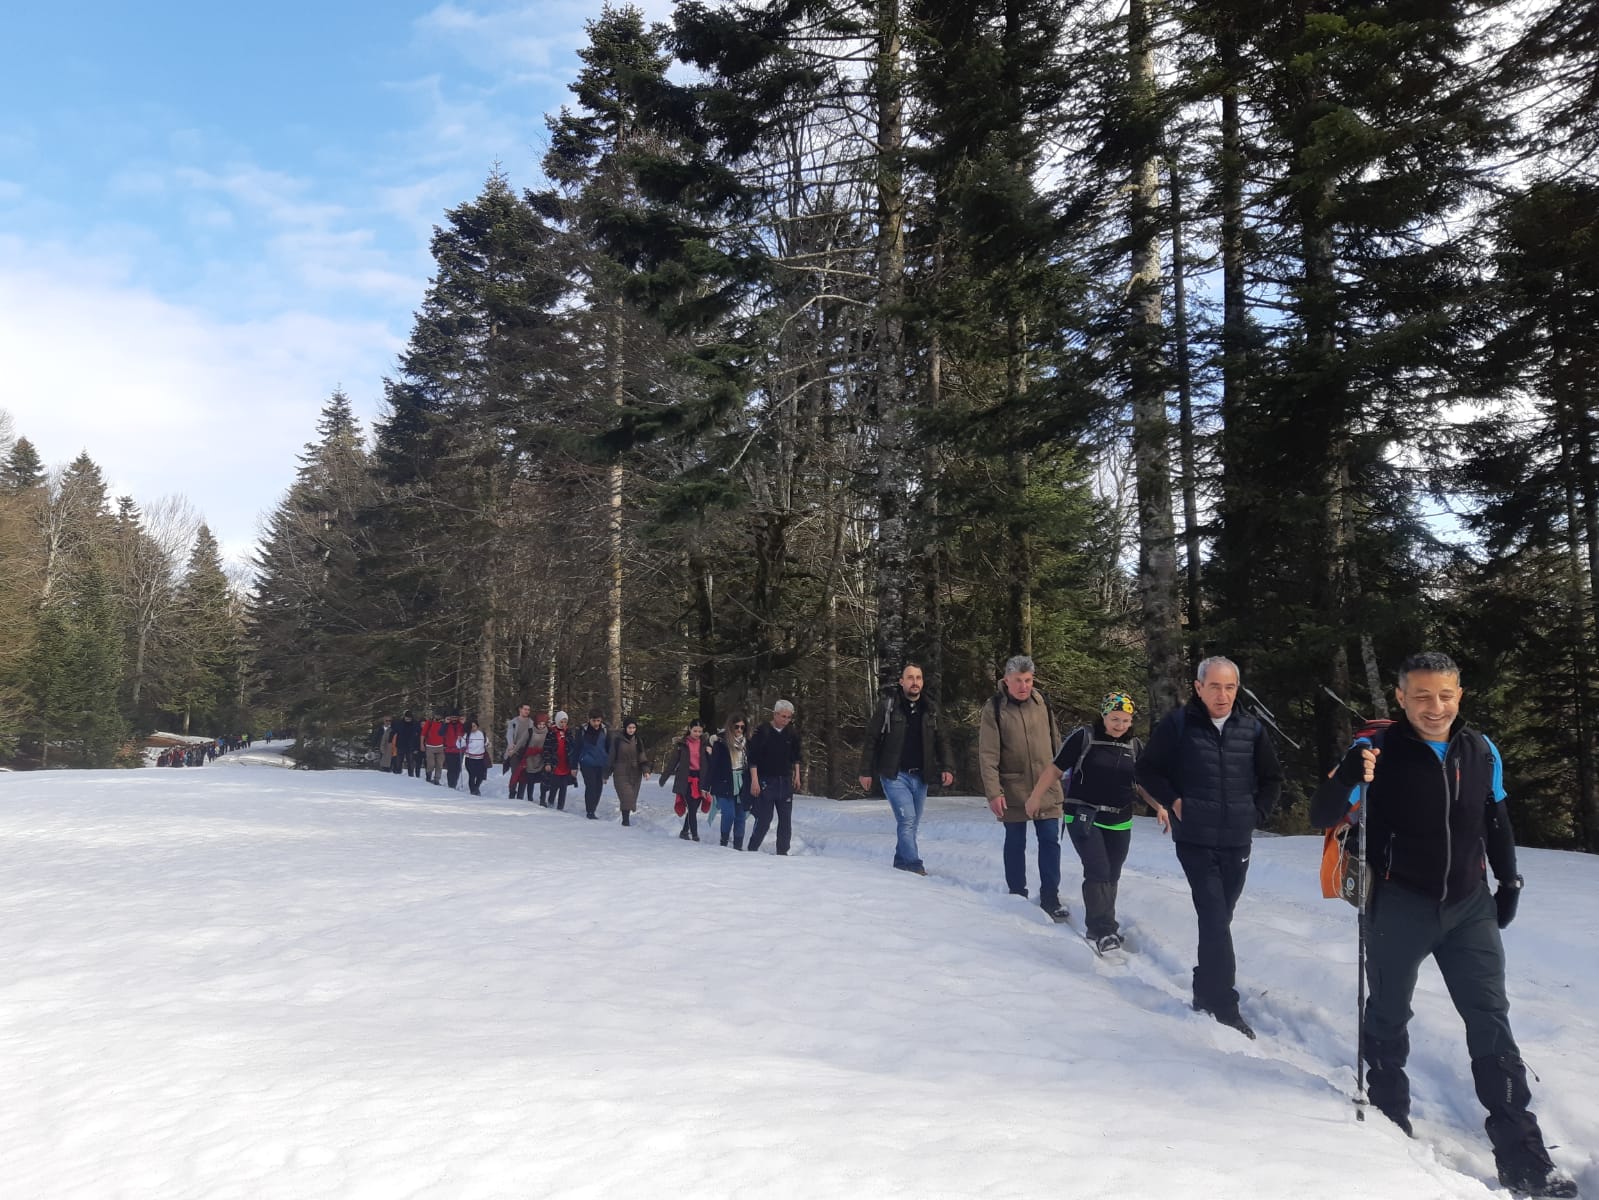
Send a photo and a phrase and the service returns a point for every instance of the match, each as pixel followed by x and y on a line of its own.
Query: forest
pixel 838 334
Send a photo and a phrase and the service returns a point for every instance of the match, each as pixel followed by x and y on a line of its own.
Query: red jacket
pixel 433 733
pixel 454 737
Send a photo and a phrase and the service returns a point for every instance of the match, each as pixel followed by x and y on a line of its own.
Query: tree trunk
pixel 1020 594
pixel 1586 806
pixel 705 629
pixel 830 705
pixel 893 535
pixel 1326 403
pixel 1235 534
pixel 613 638
pixel 138 664
pixel 488 659
pixel 1157 556
pixel 1185 428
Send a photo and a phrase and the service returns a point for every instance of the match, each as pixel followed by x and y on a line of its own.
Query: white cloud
pixel 167 397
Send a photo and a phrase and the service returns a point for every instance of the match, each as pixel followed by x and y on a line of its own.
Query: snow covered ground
pixel 232 981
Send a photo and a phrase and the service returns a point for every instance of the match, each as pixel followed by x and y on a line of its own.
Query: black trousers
pixel 593 785
pixel 1102 851
pixel 1215 880
pixel 476 770
pixel 452 768
pixel 775 799
pixel 1402 929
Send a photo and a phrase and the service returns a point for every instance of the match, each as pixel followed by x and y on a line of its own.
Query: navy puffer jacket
pixel 1229 781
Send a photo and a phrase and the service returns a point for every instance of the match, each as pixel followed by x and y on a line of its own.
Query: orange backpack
pixel 1340 866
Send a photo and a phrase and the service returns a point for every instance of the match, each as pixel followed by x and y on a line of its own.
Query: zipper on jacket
pixel 1449 837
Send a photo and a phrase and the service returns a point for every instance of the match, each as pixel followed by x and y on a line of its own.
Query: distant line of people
pixel 739 772
pixel 200 753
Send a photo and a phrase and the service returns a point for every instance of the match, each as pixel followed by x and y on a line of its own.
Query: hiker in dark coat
pixel 559 762
pixel 729 778
pixel 593 758
pixel 905 750
pixel 686 771
pixel 1434 810
pixel 774 760
pixel 408 744
pixel 1097 762
pixel 1217 772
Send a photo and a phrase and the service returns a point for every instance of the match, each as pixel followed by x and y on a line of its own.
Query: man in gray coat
pixel 517 733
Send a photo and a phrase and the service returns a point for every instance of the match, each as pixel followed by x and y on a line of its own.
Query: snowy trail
pixel 256 983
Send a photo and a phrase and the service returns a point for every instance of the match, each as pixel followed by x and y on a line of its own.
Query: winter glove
pixel 679 807
pixel 705 804
pixel 1506 899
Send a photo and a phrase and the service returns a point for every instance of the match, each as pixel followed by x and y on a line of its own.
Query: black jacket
pixel 1228 781
pixel 676 769
pixel 1431 826
pixel 885 738
pixel 719 776
pixel 1106 780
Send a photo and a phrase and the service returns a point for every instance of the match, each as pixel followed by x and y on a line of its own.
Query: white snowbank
pixel 248 984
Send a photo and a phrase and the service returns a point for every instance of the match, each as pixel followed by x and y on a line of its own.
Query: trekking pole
pixel 1260 710
pixel 1360 953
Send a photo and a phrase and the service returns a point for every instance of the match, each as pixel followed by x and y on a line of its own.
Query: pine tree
pixel 73 675
pixel 488 368
pixel 202 686
pixel 23 468
pixel 312 613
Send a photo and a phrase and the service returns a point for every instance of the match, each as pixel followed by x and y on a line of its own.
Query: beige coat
pixel 628 764
pixel 1014 754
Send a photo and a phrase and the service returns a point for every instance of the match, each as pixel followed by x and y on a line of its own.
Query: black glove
pixel 1506 899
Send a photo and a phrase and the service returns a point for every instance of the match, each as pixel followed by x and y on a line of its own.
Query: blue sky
pixel 211 215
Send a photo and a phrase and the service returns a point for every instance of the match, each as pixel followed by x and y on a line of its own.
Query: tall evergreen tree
pixel 73 675
pixel 203 685
pixel 311 611
pixel 488 366
pixel 23 468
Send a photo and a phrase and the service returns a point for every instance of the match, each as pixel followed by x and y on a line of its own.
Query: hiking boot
pixel 683 834
pixel 1519 1152
pixel 738 843
pixel 1058 913
pixel 625 819
pixel 1387 1085
pixel 1538 1179
pixel 1111 941
pixel 1229 1017
pixel 592 816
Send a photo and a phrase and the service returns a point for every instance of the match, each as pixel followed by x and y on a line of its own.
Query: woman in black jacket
pixel 1098 763
pixel 729 778
pixel 689 764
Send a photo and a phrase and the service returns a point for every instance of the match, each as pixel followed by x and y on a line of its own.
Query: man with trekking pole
pixel 1431 809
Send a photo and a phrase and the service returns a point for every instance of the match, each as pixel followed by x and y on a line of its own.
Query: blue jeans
pixel 907 794
pixel 733 814
pixel 1048 859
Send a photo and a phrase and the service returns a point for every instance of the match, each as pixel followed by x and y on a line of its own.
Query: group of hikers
pixel 739 771
pixel 200 753
pixel 1428 787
